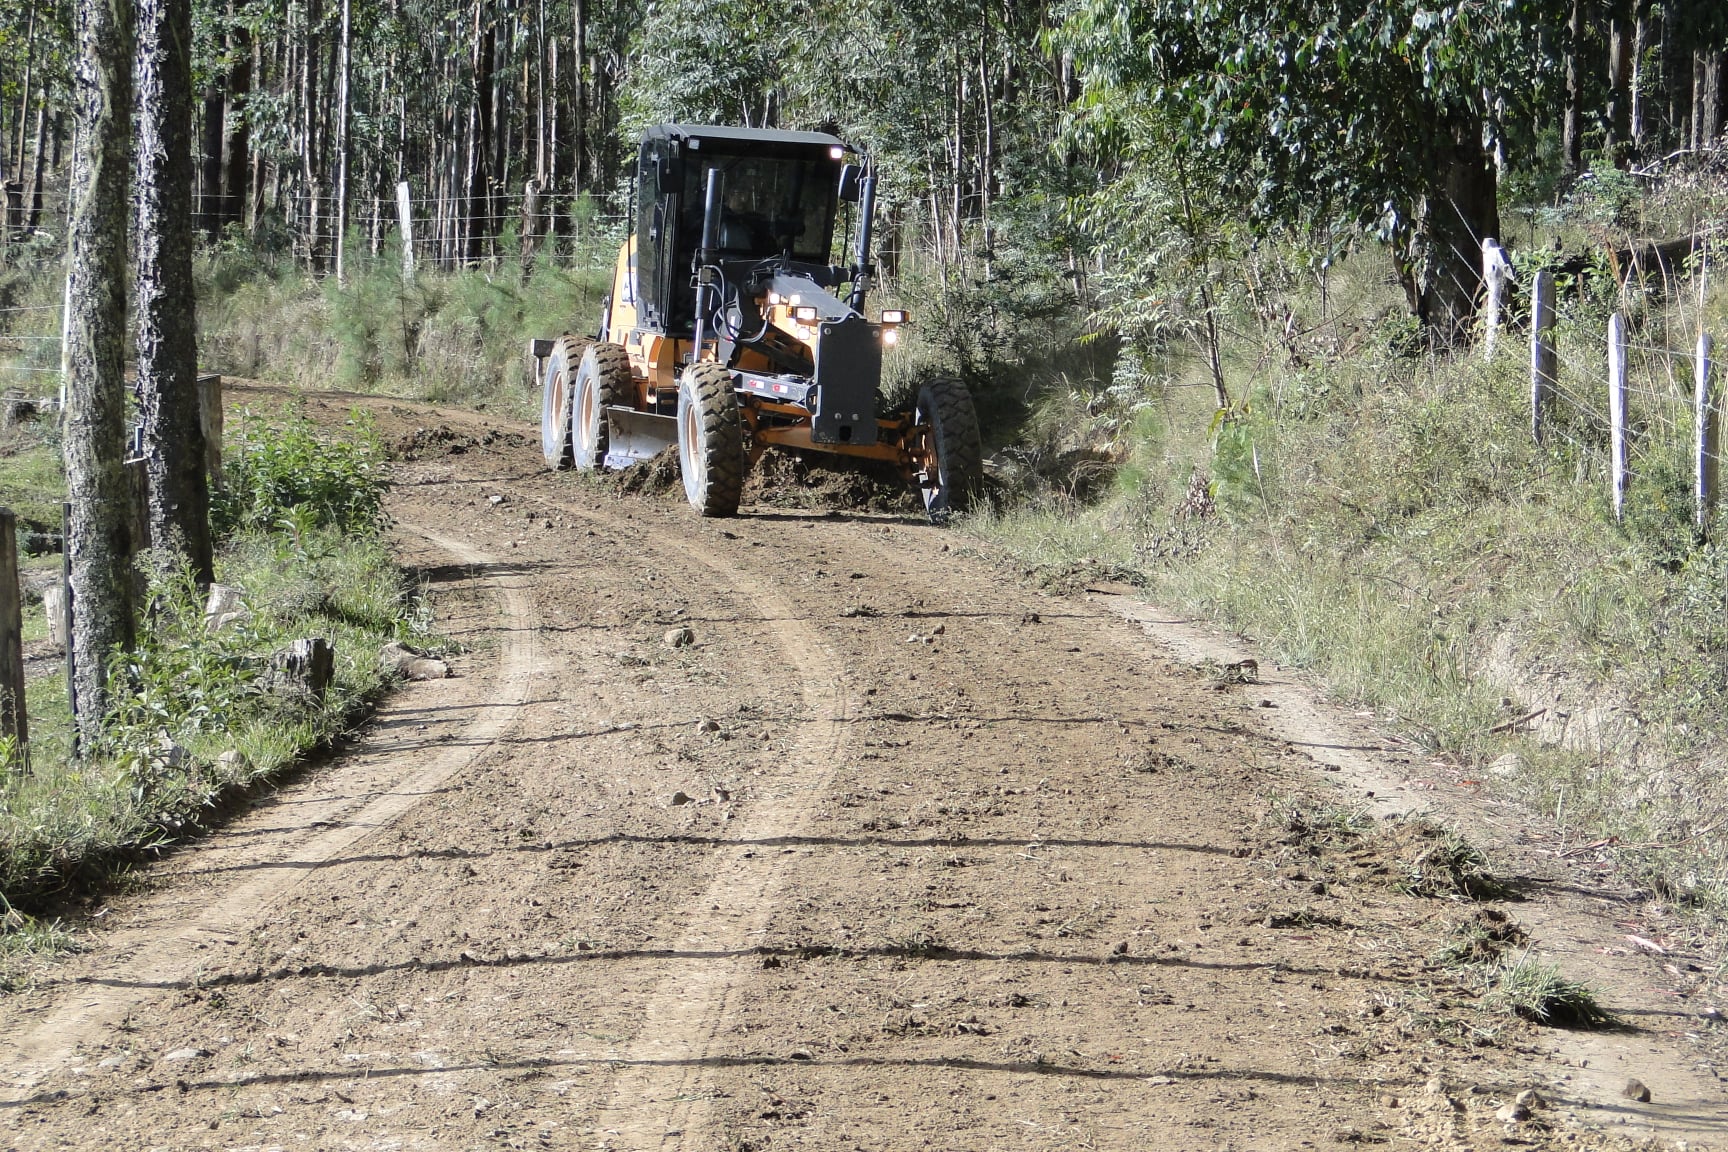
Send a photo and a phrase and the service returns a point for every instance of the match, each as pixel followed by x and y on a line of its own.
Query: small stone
pixel 681 637
pixel 1508 766
pixel 1529 1098
pixel 1512 1114
pixel 1389 1101
pixel 1635 1090
pixel 187 1054
pixel 1435 1087
pixel 802 1054
pixel 939 630
pixel 426 668
pixel 1267 704
pixel 679 798
pixel 233 762
pixel 495 500
pixel 1121 948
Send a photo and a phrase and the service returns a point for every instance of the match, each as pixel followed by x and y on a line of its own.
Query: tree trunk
pixel 210 164
pixel 1443 273
pixel 345 72
pixel 237 159
pixel 1619 117
pixel 174 447
pixel 36 166
pixel 96 392
pixel 1571 126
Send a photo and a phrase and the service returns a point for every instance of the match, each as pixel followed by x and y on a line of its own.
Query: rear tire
pixel 710 440
pixel 953 464
pixel 555 384
pixel 602 378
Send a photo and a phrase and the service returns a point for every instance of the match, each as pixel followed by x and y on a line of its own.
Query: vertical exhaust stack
pixel 861 259
pixel 705 257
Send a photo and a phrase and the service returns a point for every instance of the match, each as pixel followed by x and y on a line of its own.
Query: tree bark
pixel 174 450
pixel 1443 274
pixel 237 149
pixel 96 344
pixel 1571 127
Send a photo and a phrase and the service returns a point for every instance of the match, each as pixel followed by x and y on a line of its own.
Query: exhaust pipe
pixel 861 259
pixel 705 256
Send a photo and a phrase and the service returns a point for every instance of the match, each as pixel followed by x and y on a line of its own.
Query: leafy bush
pixel 289 473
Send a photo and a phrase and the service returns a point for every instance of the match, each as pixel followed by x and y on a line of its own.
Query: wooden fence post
pixel 405 223
pixel 1707 434
pixel 1541 350
pixel 14 720
pixel 1496 272
pixel 210 419
pixel 1617 410
pixel 66 628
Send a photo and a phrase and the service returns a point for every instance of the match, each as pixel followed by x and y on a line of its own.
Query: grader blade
pixel 633 436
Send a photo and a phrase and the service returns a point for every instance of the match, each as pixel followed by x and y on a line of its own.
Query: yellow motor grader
pixel 728 330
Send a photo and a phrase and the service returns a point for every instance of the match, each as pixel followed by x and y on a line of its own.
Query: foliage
pixel 289 473
pixel 191 694
pixel 1539 993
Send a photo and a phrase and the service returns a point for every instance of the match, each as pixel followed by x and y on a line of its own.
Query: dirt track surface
pixel 895 854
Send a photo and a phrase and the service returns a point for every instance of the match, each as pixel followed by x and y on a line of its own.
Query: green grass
pixel 1539 993
pixel 65 823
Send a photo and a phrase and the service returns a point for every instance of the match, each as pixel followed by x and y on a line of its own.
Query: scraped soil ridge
pixel 794 830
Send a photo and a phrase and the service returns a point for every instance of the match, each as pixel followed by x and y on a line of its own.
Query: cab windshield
pixel 770 205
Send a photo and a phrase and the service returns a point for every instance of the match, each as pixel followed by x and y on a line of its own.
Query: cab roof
pixel 772 138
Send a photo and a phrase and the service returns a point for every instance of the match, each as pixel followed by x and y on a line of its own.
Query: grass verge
pixel 203 712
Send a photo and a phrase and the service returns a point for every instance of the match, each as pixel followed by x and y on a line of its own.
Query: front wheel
pixel 710 440
pixel 602 378
pixel 951 452
pixel 555 382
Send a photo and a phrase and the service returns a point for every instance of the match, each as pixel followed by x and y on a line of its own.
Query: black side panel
pixel 848 370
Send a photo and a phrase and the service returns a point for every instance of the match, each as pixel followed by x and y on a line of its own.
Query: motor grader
pixel 729 330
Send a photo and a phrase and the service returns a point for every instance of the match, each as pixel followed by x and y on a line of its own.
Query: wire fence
pixel 1626 401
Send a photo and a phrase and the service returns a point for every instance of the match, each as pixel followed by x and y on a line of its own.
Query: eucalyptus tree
pixel 96 391
pixel 1379 111
pixel 174 450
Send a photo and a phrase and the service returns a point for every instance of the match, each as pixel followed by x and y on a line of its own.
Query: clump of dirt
pixel 444 440
pixel 657 477
pixel 1413 855
pixel 1483 937
pixel 790 479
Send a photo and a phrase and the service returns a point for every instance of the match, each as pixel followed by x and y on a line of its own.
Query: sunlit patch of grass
pixel 1537 992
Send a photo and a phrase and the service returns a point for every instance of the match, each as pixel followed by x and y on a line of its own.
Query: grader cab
pixel 730 329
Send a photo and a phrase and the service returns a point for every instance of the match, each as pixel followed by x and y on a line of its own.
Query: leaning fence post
pixel 405 222
pixel 210 420
pixel 1707 433
pixel 1617 410
pixel 1496 271
pixel 1541 350
pixel 14 721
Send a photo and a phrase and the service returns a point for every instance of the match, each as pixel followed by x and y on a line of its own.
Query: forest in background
pixel 1132 150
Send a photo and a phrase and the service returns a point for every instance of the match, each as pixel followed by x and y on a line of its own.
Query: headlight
pixel 806 314
pixel 894 316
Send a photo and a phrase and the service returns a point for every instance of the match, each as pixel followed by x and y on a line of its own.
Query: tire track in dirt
pixel 367 796
pixel 655 1102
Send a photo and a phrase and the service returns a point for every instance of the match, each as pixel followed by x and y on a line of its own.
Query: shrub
pixel 289 473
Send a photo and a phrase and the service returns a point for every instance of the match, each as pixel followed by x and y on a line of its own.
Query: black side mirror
pixel 850 176
pixel 668 175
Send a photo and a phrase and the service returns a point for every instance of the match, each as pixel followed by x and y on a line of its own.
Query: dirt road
pixel 886 851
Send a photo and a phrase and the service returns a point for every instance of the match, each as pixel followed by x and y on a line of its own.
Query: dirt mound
pixel 443 440
pixel 790 479
pixel 657 477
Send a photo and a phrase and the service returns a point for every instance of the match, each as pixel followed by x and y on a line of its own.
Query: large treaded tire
pixel 710 440
pixel 954 469
pixel 602 378
pixel 555 383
